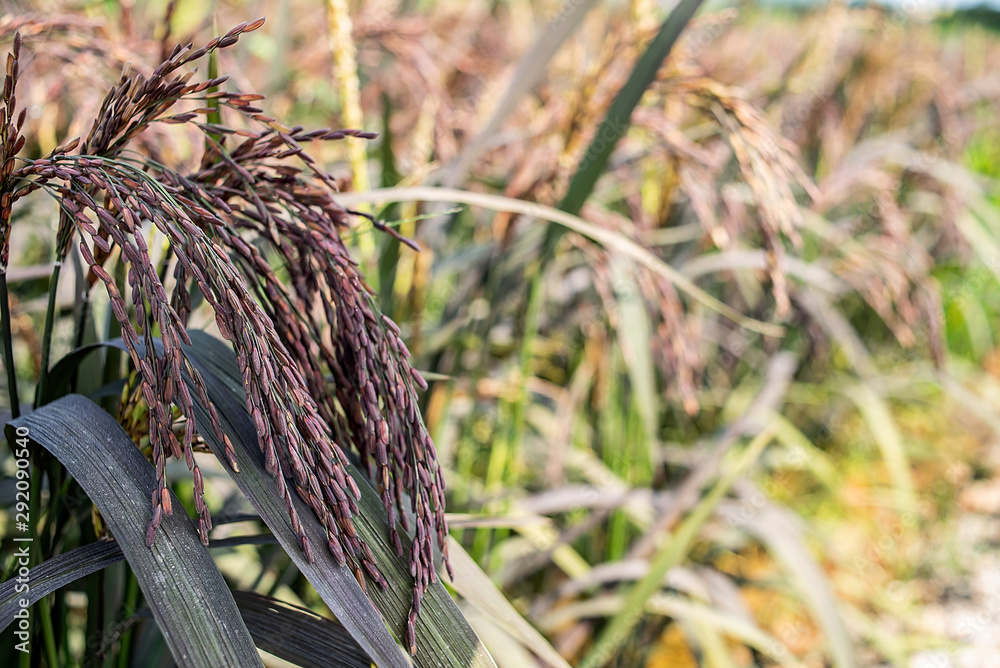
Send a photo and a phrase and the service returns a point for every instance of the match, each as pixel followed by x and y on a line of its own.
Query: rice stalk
pixel 213 217
pixel 345 73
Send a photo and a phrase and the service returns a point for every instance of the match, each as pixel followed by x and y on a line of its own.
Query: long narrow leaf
pixel 613 241
pixel 479 591
pixel 680 608
pixel 617 121
pixel 883 427
pixel 289 632
pixel 530 70
pixel 298 635
pixel 335 584
pixel 57 572
pixel 671 554
pixel 775 527
pixel 188 596
pixel 444 637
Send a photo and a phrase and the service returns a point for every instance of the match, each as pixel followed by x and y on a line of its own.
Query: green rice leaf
pixel 444 637
pixel 57 572
pixel 186 592
pixel 298 635
pixel 617 121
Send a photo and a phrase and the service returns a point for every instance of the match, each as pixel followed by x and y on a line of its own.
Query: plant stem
pixel 215 116
pixel 112 358
pixel 50 311
pixel 34 507
pixel 128 609
pixel 8 348
pixel 345 71
pixel 80 332
pixel 45 612
pixel 80 326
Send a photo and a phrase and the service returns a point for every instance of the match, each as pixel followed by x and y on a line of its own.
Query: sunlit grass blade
pixel 955 385
pixel 634 335
pixel 804 452
pixel 883 426
pixel 775 528
pixel 679 607
pixel 473 585
pixel 611 240
pixel 345 74
pixel 671 554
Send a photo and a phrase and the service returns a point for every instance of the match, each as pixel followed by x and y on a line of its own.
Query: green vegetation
pixel 708 327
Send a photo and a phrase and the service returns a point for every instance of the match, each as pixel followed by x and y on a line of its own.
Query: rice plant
pixel 704 330
pixel 322 371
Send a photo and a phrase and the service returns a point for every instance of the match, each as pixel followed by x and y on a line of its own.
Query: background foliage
pixel 751 390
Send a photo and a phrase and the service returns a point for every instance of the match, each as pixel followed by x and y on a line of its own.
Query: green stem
pixel 214 117
pixel 51 655
pixel 8 348
pixel 95 606
pixel 81 324
pixel 25 661
pixel 80 330
pixel 113 356
pixel 44 614
pixel 50 312
pixel 51 533
pixel 128 609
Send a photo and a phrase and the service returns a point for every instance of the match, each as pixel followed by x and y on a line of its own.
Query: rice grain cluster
pixel 256 197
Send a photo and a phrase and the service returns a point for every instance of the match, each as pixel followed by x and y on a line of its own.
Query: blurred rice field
pixel 753 388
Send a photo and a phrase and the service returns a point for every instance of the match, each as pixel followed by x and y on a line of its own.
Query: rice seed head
pixel 256 187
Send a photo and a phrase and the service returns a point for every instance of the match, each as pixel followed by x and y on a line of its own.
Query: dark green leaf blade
pixel 57 572
pixel 188 596
pixel 616 123
pixel 335 584
pixel 298 635
pixel 294 634
pixel 444 637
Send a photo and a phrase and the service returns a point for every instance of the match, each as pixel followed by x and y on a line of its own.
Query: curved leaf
pixel 188 596
pixel 298 635
pixel 57 572
pixel 616 122
pixel 530 71
pixel 776 528
pixel 670 554
pixel 444 637
pixel 287 631
pixel 480 592
pixel 610 239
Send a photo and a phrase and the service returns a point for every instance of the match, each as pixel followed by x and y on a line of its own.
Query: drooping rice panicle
pixel 290 339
